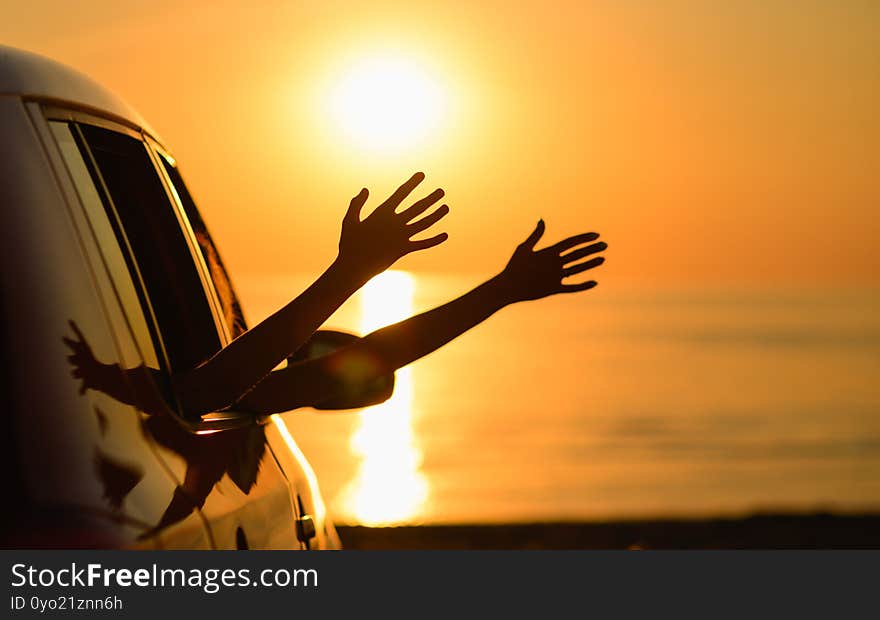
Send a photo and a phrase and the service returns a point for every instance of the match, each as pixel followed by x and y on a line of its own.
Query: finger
pixel 574 288
pixel 356 204
pixel 76 331
pixel 420 206
pixel 427 221
pixel 73 344
pixel 580 267
pixel 402 192
pixel 430 242
pixel 580 253
pixel 567 244
pixel 533 238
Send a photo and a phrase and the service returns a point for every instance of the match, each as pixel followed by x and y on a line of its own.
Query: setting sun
pixel 386 103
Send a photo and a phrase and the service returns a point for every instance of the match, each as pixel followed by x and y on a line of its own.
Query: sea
pixel 623 402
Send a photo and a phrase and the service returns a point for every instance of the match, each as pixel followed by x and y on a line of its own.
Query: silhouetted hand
pixel 86 367
pixel 371 245
pixel 533 274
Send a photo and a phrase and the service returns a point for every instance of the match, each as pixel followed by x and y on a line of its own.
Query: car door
pixel 221 463
pixel 92 478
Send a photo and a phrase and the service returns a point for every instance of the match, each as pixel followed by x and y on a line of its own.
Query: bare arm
pixel 529 275
pixel 366 248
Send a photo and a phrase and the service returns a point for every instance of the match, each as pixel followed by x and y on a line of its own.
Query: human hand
pixel 373 244
pixel 532 274
pixel 86 367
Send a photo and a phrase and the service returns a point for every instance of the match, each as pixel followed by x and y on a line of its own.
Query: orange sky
pixel 708 141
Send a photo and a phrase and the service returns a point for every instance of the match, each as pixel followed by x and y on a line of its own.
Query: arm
pixel 366 248
pixel 528 275
pixel 137 386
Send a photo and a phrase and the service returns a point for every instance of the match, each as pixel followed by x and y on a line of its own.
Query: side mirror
pixel 353 396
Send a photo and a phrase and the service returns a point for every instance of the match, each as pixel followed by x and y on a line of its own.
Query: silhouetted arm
pixel 366 247
pixel 529 275
pixel 137 386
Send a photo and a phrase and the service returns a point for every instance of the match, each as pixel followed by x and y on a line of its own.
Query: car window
pixel 232 312
pixel 147 222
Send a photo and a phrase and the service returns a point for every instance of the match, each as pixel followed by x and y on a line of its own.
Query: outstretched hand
pixel 373 244
pixel 533 274
pixel 86 367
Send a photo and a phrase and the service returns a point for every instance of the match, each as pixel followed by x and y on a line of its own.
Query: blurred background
pixel 727 363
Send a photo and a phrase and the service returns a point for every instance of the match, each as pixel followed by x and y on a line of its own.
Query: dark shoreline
pixel 760 531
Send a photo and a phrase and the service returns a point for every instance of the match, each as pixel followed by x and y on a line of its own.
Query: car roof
pixel 31 76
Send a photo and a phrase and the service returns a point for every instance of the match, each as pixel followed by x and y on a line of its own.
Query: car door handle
pixel 305 529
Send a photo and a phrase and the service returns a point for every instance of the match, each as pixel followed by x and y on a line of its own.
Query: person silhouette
pixel 241 374
pixel 368 247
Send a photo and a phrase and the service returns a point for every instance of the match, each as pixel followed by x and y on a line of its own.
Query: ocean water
pixel 616 403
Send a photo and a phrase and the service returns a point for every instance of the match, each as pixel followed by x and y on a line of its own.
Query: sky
pixel 710 143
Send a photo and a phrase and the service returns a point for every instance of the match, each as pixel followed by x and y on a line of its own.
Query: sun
pixel 386 103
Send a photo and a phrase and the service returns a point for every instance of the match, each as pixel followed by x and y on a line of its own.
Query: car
pixel 111 283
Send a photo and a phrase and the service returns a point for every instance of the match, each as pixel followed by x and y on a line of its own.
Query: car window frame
pixel 156 152
pixel 212 421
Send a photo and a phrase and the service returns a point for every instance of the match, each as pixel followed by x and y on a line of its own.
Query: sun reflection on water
pixel 389 486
